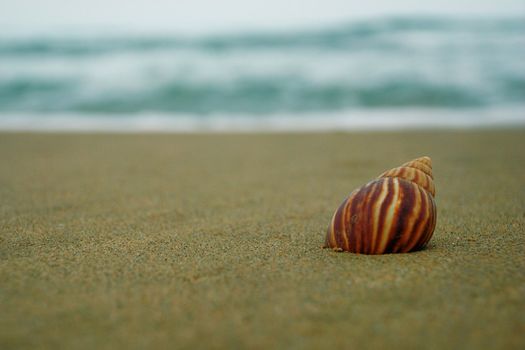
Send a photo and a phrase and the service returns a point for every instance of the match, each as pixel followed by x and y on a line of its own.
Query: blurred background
pixel 230 65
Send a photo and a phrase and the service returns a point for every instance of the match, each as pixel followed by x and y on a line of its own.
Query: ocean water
pixel 383 73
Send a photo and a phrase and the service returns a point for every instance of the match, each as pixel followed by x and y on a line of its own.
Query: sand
pixel 214 241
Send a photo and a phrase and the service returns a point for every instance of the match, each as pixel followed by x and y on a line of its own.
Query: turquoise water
pixel 382 66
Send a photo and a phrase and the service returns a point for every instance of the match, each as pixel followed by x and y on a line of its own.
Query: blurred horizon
pixel 410 65
pixel 202 17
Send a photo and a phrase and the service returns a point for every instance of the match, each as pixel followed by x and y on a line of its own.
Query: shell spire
pixel 418 171
pixel 395 213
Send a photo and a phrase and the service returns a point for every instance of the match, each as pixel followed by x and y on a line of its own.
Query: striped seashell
pixel 395 213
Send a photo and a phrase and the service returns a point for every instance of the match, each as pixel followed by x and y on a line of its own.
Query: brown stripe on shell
pixel 363 219
pixel 384 205
pixel 370 217
pixel 387 216
pixel 345 220
pixel 388 208
pixel 428 226
pixel 355 231
pixel 403 215
pixel 422 222
pixel 395 214
pixel 415 194
pixel 376 208
pixel 432 226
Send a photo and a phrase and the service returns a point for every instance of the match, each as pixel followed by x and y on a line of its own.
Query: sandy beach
pixel 214 241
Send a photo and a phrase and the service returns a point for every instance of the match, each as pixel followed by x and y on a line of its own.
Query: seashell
pixel 396 213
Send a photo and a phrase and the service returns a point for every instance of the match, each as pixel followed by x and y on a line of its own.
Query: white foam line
pixel 341 121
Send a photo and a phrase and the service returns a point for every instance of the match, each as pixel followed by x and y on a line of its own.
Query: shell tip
pixel 425 160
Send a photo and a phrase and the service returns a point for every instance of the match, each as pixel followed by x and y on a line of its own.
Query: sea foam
pixel 344 75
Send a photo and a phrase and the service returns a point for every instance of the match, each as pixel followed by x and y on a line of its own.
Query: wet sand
pixel 214 241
